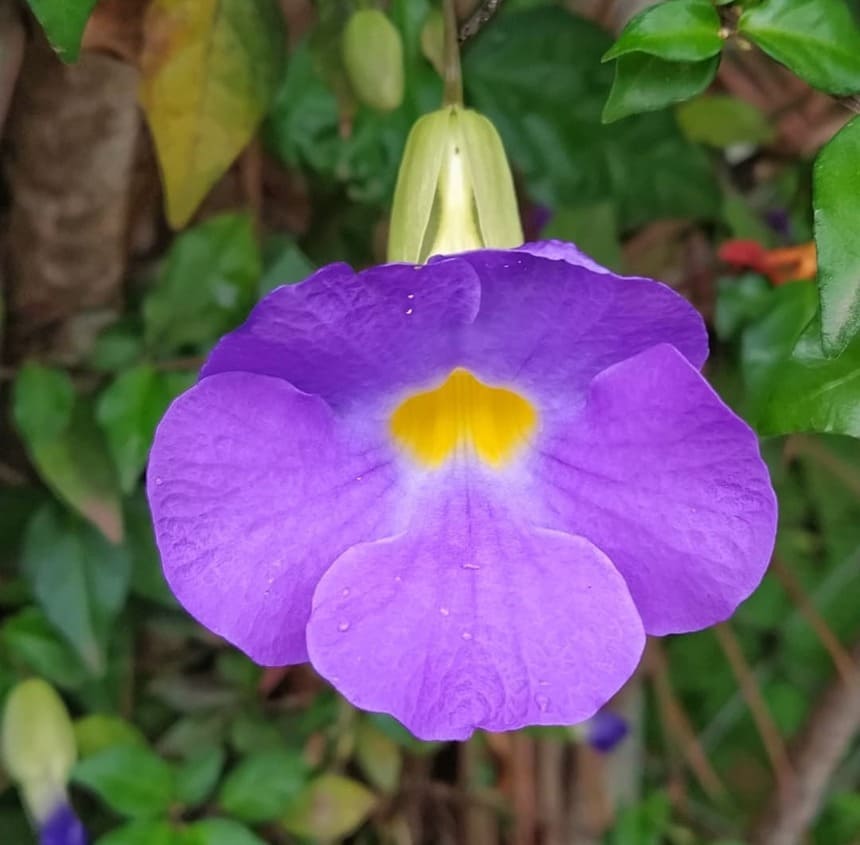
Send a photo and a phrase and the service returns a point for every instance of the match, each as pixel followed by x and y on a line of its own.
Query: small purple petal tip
pixel 62 827
pixel 605 731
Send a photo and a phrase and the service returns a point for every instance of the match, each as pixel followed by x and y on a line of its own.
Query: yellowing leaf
pixel 210 69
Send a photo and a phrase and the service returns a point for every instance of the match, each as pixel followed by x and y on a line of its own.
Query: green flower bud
pixel 372 52
pixel 454 189
pixel 433 40
pixel 38 744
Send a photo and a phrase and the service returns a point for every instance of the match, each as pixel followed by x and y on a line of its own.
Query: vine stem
pixel 453 77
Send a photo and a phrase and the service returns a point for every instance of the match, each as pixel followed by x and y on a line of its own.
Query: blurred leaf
pixel 79 579
pixel 141 833
pixel 66 446
pixel 147 577
pixel 98 731
pixel 28 638
pixel 378 756
pixel 128 410
pixel 397 732
pixel 252 732
pixel 64 22
pixel 133 781
pixel 722 121
pixel 283 264
pixel 676 30
pixel 739 301
pixel 210 69
pixel 222 832
pixel 117 348
pixel 206 286
pixel 263 785
pixel 549 120
pixel 837 210
pixel 593 228
pixel 646 83
pixel 197 776
pixel 331 807
pixel 817 39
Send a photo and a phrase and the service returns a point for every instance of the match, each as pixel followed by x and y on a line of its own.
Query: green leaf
pixel 206 286
pixel 378 756
pixel 722 121
pixel 837 211
pixel 131 780
pixel 98 731
pixel 646 83
pixel 66 446
pixel 142 833
pixel 128 410
pixel 593 228
pixel 549 120
pixel 79 579
pixel 331 807
pixel 196 777
pixel 676 30
pixel 222 832
pixel 147 576
pixel 29 638
pixel 210 69
pixel 283 264
pixel 739 301
pixel 263 785
pixel 817 39
pixel 64 22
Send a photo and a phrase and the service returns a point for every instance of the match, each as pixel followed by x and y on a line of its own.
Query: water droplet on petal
pixel 542 703
pixel 409 311
pixel 344 626
pixel 410 296
pixel 466 635
pixel 159 482
pixel 397 578
pixel 543 683
pixel 345 592
pixel 471 566
pixel 444 611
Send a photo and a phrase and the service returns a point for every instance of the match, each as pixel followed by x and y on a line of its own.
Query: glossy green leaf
pixel 676 30
pixel 133 781
pixel 222 832
pixel 331 807
pixel 64 22
pixel 837 212
pixel 98 731
pixel 142 833
pixel 66 446
pixel 817 39
pixel 210 69
pixel 197 776
pixel 372 51
pixel 549 121
pixel 646 83
pixel 79 579
pixel 206 286
pixel 721 121
pixel 263 785
pixel 128 411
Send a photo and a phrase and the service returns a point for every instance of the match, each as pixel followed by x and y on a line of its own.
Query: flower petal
pixel 254 492
pixel 556 325
pixel 348 337
pixel 562 251
pixel 663 477
pixel 473 620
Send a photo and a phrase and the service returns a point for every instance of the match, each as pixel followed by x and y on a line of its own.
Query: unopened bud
pixel 454 189
pixel 372 51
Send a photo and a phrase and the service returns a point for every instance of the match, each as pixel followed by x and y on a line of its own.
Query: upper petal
pixel 663 477
pixel 563 251
pixel 352 337
pixel 472 619
pixel 554 325
pixel 254 492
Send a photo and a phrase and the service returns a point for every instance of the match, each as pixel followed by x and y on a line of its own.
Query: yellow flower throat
pixel 460 414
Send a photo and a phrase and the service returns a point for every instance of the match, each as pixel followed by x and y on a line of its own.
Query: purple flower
pixel 605 730
pixel 466 490
pixel 62 827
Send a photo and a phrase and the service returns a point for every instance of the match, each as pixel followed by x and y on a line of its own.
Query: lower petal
pixel 472 620
pixel 254 493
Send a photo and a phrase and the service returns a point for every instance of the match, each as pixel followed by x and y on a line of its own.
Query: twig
pixel 770 736
pixel 838 654
pixel 523 778
pixel 815 754
pixel 678 724
pixel 810 447
pixel 479 19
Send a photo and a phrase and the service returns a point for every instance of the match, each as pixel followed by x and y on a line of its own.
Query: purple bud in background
pixel 779 221
pixel 605 730
pixel 62 827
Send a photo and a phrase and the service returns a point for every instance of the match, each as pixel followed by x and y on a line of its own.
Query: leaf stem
pixel 453 77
